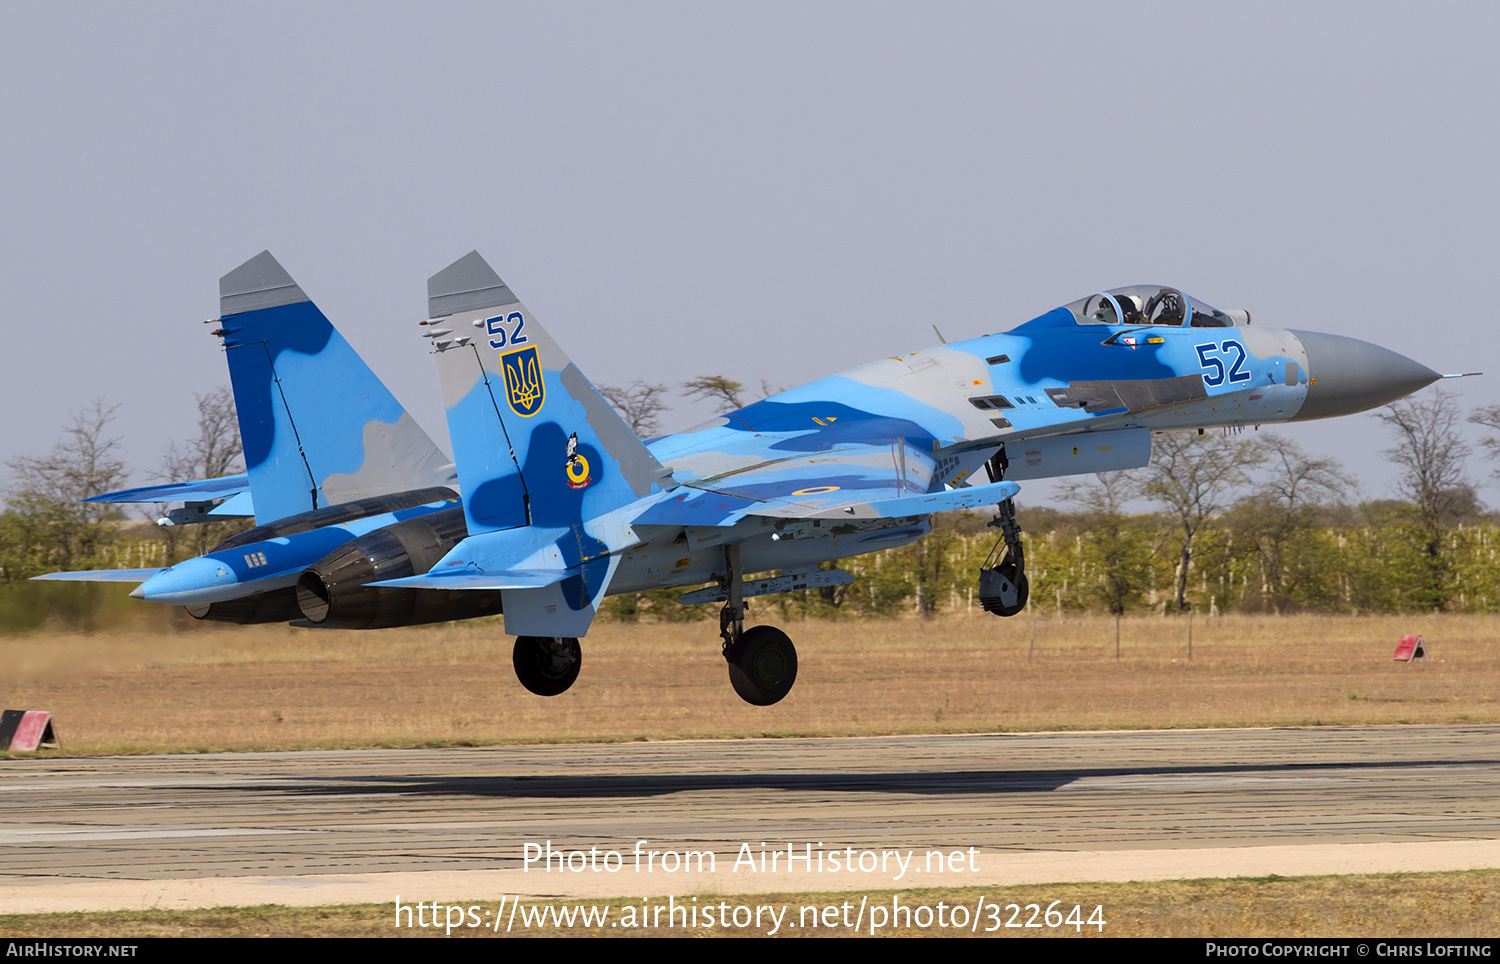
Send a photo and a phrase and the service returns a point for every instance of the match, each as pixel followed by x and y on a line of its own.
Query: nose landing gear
pixel 1003 588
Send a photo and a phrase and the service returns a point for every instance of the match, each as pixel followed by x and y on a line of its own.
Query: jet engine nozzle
pixel 337 590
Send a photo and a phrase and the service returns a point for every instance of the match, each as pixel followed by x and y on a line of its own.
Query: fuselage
pixel 1056 376
pixel 1077 390
pixel 1067 393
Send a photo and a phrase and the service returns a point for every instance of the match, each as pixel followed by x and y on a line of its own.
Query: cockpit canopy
pixel 1147 305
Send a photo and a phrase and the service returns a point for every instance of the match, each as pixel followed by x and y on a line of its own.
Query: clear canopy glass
pixel 1147 305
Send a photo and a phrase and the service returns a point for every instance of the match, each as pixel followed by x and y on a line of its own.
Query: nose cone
pixel 1348 375
pixel 200 580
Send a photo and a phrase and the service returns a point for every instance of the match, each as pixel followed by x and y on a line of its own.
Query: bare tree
pixel 1107 492
pixel 1431 458
pixel 1116 540
pixel 1280 511
pixel 1193 477
pixel 640 404
pixel 55 527
pixel 930 568
pixel 1489 417
pixel 1430 454
pixel 716 387
pixel 215 451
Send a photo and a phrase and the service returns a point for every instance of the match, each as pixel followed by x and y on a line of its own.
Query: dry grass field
pixel 227 688
pixel 1453 905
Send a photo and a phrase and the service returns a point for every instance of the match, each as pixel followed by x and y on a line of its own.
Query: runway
pixel 454 824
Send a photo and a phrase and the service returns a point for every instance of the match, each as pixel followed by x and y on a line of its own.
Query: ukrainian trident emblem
pixel 524 389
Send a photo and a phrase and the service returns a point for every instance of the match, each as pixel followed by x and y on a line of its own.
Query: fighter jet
pixel 564 505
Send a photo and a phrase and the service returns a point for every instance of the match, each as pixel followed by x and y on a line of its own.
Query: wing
pixel 889 478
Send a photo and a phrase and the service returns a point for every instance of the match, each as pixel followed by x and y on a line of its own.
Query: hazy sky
pixel 770 191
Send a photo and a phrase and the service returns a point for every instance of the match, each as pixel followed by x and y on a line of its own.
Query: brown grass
pixel 222 687
pixel 1447 905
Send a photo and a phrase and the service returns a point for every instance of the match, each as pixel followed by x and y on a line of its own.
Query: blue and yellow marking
pixel 525 390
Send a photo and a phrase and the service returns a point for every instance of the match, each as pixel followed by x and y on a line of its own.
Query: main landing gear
pixel 547 665
pixel 1003 589
pixel 762 660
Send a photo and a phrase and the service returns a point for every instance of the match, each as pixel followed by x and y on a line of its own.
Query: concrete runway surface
pixel 884 813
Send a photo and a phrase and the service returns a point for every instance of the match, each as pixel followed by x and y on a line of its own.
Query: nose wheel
pixel 547 665
pixel 1003 588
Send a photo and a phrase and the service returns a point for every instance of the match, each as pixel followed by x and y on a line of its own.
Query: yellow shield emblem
pixel 524 388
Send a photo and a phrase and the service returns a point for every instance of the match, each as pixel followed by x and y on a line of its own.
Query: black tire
pixel 763 665
pixel 547 665
pixel 1023 592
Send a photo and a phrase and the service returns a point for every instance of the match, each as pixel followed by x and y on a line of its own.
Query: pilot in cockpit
pixel 1166 307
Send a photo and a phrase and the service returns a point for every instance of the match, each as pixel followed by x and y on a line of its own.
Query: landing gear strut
pixel 547 665
pixel 762 660
pixel 1003 589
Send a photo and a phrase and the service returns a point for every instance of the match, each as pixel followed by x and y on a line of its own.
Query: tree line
pixel 1219 521
pixel 47 527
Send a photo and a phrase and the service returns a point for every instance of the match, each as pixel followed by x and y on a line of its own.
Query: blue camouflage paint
pixel 1077 354
pixel 253 341
pixel 555 505
pixel 841 424
pixel 565 505
pixel 286 360
pixel 495 496
pixel 244 569
pixel 318 427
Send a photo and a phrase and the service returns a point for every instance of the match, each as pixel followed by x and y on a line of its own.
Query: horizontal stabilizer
pixel 235 507
pixel 101 575
pixel 203 490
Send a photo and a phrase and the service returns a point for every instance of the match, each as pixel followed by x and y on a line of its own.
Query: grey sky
pixel 765 190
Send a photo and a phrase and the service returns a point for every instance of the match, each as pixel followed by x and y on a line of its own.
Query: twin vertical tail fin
pixel 534 441
pixel 318 427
